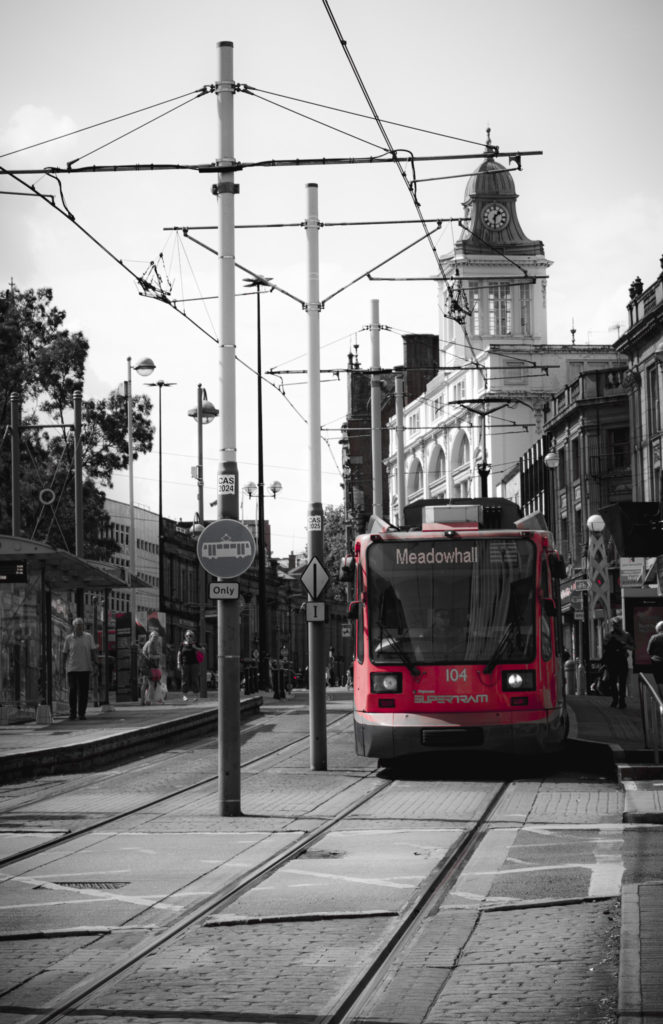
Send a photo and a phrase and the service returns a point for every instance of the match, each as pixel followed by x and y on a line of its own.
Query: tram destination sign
pixel 226 548
pixel 13 571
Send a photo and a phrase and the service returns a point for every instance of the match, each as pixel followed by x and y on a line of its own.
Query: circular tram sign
pixel 226 548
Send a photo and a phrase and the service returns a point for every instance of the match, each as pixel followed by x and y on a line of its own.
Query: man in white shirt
pixel 79 658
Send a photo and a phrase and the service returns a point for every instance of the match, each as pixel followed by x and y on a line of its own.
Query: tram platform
pixel 29 747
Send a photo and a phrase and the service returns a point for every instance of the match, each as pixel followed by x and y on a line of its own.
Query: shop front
pixel 38 586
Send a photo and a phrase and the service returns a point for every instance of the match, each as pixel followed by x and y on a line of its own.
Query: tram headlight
pixel 386 682
pixel 513 679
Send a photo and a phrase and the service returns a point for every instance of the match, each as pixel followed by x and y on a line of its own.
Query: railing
pixel 651 709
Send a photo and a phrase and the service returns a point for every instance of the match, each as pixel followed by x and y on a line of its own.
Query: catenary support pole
pixel 202 596
pixel 400 446
pixel 228 668
pixel 315 525
pixel 133 658
pixel 78 492
pixel 15 422
pixel 376 410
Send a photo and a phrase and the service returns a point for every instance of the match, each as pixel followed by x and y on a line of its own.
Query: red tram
pixel 458 632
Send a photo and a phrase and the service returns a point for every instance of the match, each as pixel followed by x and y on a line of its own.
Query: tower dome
pixel 490 207
pixel 490 179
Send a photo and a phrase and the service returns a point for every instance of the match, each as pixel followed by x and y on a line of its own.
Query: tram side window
pixel 546 642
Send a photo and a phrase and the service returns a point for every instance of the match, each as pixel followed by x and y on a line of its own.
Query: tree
pixel 44 363
pixel 335 547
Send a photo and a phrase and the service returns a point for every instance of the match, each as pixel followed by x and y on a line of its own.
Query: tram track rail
pixel 357 992
pixel 430 893
pixel 102 822
pixel 76 996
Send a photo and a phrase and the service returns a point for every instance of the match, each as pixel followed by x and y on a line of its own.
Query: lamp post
pixel 598 595
pixel 551 462
pixel 203 413
pixel 251 489
pixel 160 384
pixel 144 368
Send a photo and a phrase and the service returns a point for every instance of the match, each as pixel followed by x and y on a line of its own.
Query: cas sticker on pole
pixel 226 548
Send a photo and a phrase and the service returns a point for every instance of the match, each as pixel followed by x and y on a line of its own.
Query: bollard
pixel 570 676
pixel 581 680
pixel 44 716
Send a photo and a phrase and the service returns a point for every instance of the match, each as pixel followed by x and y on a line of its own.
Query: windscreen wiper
pixel 398 648
pixel 495 656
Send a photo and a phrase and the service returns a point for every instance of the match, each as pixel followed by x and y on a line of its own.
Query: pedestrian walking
pixel 189 657
pixel 277 679
pixel 655 652
pixel 151 685
pixel 79 659
pixel 615 658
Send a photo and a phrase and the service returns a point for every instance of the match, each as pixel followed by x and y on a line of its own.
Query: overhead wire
pixel 356 113
pixel 138 127
pixel 99 124
pixel 411 186
pixel 315 120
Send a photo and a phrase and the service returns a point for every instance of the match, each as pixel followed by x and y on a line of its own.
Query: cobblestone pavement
pixel 529 932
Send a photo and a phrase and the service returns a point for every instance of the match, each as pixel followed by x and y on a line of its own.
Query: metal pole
pixel 376 410
pixel 316 677
pixel 400 446
pixel 227 480
pixel 15 420
pixel 263 672
pixel 160 385
pixel 133 682
pixel 202 597
pixel 78 493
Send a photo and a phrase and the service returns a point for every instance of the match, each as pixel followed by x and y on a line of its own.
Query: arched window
pixel 415 478
pixel 460 465
pixel 437 470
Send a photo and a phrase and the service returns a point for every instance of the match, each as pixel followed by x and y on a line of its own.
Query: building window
pixel 499 309
pixel 575 459
pixel 476 312
pixel 458 391
pixel 415 479
pixel 437 470
pixel 578 540
pixel 525 310
pixel 562 467
pixel 617 448
pixel 653 401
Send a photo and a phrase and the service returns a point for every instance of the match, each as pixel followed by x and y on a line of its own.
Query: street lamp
pixel 160 384
pixel 551 462
pixel 144 368
pixel 251 489
pixel 203 413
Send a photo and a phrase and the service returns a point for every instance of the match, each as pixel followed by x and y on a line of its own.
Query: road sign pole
pixel 316 679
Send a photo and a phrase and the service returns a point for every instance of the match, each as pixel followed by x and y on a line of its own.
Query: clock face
pixel 495 216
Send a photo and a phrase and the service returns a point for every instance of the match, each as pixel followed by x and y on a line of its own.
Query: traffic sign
pixel 315 578
pixel 315 611
pixel 226 548
pixel 223 590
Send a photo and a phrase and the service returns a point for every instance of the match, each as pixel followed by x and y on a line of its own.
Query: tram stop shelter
pixel 38 585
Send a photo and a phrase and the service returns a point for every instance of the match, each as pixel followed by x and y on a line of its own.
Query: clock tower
pixel 495 287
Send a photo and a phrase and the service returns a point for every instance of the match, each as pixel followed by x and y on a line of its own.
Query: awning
pixel 61 570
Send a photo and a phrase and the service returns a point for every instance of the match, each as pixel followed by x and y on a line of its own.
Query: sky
pixel 578 81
